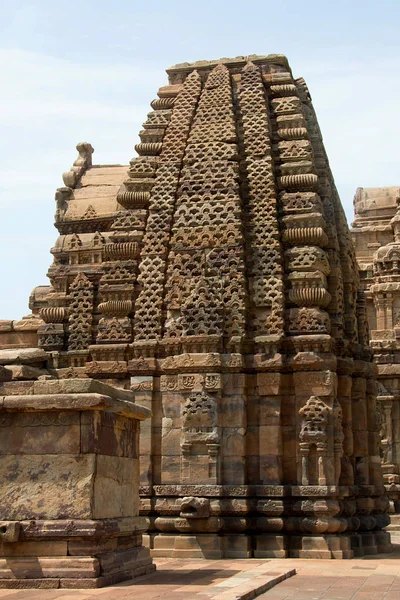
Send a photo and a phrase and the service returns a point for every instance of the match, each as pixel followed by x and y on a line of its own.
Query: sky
pixel 87 71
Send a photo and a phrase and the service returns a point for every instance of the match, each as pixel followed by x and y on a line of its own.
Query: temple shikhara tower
pixel 215 281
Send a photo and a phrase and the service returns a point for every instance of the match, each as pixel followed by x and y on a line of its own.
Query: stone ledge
pixel 85 528
pixel 238 61
pixel 74 402
pixel 80 386
pixel 76 394
pixel 23 356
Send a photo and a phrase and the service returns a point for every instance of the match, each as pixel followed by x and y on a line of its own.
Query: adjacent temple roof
pixel 374 208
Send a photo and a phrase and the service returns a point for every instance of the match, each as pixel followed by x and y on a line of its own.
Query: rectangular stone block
pixel 234 383
pixel 289 467
pixel 233 411
pixel 315 383
pixel 234 441
pixel 145 439
pixel 170 439
pixel 237 546
pixel 170 469
pixel 269 384
pixel 40 432
pixel 270 411
pixel 44 567
pixel 270 469
pixel 270 440
pixel 88 547
pixel 47 486
pixel 171 407
pixel 252 440
pixel 270 546
pixel 15 388
pixel 360 443
pixel 114 487
pixel 253 410
pixel 198 546
pixel 253 469
pixel 233 471
pixel 107 433
pixel 124 560
pixel 359 414
pixel 27 548
pixel 198 469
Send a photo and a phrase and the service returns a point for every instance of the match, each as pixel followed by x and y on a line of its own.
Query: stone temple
pixel 376 236
pixel 215 283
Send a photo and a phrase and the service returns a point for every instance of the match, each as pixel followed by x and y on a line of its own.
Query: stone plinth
pixel 69 495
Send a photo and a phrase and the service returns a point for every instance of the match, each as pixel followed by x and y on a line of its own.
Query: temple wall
pixel 376 239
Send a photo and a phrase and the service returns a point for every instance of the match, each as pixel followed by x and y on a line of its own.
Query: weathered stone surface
pixel 114 481
pixel 216 284
pixel 40 433
pixel 5 374
pixel 376 234
pixel 70 474
pixel 47 486
pixel 23 356
pixel 110 434
pixel 21 372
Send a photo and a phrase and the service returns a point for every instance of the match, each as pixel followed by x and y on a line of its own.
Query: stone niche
pixel 69 496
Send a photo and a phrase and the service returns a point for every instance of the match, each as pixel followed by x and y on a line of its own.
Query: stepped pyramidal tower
pixel 217 280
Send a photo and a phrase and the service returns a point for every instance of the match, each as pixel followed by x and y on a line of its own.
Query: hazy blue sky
pixel 87 71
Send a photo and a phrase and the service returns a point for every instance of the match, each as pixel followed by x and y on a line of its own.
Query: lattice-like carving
pixel 114 330
pixel 208 217
pixel 307 258
pixel 202 311
pixel 267 290
pixel 305 321
pixel 80 313
pixel 147 322
pixel 199 412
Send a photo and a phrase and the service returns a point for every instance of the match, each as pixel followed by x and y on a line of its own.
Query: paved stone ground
pixel 178 580
pixel 370 578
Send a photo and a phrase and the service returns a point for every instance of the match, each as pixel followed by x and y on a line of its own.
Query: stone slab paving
pixel 374 578
pixel 180 580
pixel 371 578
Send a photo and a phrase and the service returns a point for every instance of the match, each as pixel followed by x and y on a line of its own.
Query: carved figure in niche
pixel 313 441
